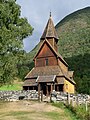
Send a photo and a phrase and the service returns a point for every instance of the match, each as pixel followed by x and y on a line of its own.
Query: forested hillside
pixel 74 46
pixel 74 33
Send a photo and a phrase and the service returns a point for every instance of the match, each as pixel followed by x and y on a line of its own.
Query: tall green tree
pixel 13 29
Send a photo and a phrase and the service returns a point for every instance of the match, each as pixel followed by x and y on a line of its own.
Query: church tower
pixel 51 70
pixel 50 33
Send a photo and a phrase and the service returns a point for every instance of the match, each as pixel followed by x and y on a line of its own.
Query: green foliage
pixel 13 29
pixel 22 71
pixel 74 46
pixel 81 65
pixel 74 33
pixel 26 62
pixel 70 111
pixel 80 111
pixel 59 105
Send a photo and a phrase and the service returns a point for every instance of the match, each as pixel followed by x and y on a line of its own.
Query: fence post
pixel 86 106
pixel 77 102
pixel 39 92
pixel 69 98
pixel 72 102
pixel 42 95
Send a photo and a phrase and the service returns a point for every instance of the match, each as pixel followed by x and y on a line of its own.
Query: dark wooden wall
pixel 46 53
pixel 42 61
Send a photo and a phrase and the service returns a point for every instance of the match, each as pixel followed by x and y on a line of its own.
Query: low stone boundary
pixel 33 95
pixel 64 97
pixel 18 95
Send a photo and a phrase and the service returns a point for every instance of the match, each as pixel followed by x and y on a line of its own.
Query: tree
pixel 13 29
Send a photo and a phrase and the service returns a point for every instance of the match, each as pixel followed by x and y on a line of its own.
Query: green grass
pixel 17 86
pixel 59 105
pixel 67 112
pixel 18 115
pixel 54 115
pixel 80 111
pixel 60 113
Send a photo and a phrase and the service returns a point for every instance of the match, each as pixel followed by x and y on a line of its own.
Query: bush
pixel 80 111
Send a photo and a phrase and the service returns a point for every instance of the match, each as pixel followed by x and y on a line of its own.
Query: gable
pixel 45 51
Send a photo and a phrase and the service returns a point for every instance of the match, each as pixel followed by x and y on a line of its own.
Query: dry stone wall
pixel 33 95
pixel 77 98
pixel 18 95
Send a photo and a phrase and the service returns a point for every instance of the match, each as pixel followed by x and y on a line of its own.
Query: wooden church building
pixel 51 70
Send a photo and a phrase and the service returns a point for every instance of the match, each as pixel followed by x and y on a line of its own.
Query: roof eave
pixel 62 60
pixel 70 80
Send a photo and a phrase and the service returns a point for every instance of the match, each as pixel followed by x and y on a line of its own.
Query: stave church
pixel 50 70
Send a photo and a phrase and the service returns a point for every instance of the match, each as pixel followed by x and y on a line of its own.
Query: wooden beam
pixel 39 91
pixel 47 90
pixel 42 95
pixel 57 87
pixel 51 88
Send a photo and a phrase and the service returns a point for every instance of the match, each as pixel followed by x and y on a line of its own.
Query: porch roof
pixel 50 78
pixel 30 82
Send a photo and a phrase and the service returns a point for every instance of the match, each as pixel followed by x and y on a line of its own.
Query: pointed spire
pixel 49 31
pixel 50 14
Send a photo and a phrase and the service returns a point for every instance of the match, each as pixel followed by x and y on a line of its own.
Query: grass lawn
pixel 15 86
pixel 31 110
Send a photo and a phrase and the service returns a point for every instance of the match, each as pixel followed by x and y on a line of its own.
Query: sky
pixel 37 13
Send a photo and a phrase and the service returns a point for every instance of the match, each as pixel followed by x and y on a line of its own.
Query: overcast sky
pixel 37 12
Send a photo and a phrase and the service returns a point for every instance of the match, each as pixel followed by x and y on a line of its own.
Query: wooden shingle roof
pixel 30 82
pixel 46 70
pixel 49 78
pixel 49 31
pixel 66 75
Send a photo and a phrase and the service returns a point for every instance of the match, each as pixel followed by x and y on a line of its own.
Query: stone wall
pixel 33 95
pixel 18 95
pixel 64 97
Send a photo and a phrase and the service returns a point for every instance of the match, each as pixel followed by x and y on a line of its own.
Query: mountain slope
pixel 74 33
pixel 74 46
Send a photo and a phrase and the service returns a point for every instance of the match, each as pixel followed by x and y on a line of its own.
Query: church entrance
pixel 46 88
pixel 43 88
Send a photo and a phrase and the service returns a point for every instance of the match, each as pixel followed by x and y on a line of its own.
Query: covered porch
pixel 46 84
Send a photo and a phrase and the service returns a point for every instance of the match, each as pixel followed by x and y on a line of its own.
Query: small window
pixel 46 60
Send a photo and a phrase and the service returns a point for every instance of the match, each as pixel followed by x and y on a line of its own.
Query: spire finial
pixel 50 13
